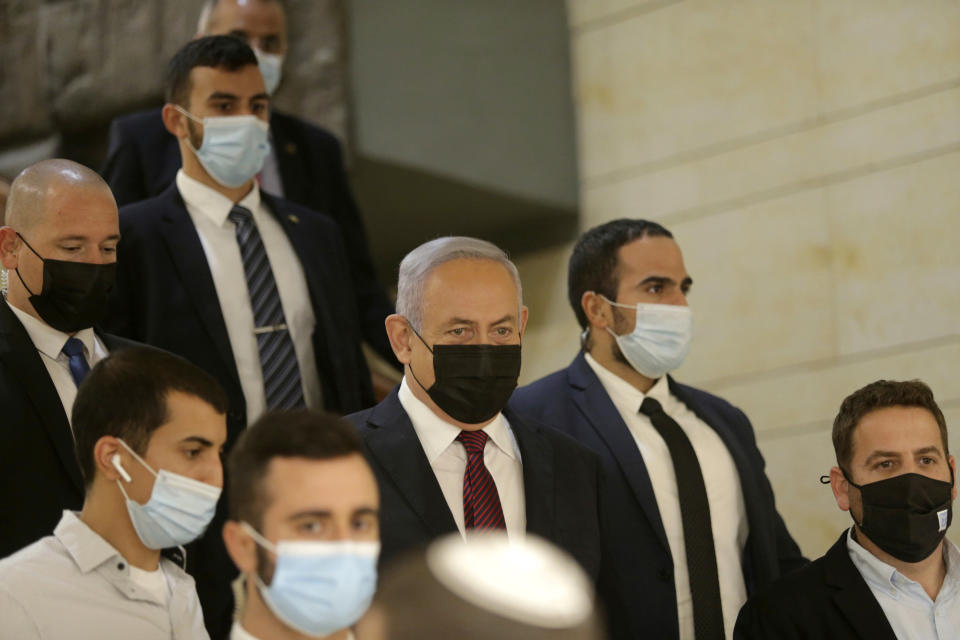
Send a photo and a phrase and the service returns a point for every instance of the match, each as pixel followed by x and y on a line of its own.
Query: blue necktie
pixel 78 364
pixel 278 358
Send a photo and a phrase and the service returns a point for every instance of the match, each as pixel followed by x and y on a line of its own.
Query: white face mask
pixel 660 339
pixel 271 66
pixel 233 147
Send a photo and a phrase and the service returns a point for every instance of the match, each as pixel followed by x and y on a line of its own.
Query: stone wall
pixel 71 66
pixel 806 155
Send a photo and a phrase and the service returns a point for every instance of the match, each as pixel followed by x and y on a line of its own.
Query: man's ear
pixel 399 334
pixel 953 469
pixel 9 246
pixel 596 309
pixel 103 452
pixel 240 546
pixel 524 316
pixel 841 488
pixel 174 121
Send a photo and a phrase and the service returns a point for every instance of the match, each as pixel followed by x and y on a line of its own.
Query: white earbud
pixel 115 461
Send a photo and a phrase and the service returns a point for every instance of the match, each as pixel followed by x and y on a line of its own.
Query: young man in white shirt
pixel 149 429
pixel 303 529
pixel 892 575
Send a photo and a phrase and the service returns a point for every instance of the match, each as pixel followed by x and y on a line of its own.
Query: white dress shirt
pixel 909 610
pixel 448 459
pixel 218 236
pixel 49 343
pixel 728 514
pixel 73 584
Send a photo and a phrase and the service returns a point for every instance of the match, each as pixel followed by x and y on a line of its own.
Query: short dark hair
pixel 125 396
pixel 879 395
pixel 301 433
pixel 220 52
pixel 593 263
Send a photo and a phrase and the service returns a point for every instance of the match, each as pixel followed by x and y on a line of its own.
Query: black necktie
pixel 695 516
pixel 278 357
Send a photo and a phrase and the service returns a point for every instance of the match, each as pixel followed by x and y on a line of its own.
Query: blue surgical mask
pixel 660 339
pixel 178 511
pixel 319 587
pixel 233 147
pixel 271 65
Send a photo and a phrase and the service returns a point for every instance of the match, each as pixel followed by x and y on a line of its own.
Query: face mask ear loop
pixel 428 349
pixel 195 119
pixel 858 487
pixel 137 457
pixel 17 270
pixel 258 538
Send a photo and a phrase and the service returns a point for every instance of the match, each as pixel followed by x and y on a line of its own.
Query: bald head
pixel 262 24
pixel 37 187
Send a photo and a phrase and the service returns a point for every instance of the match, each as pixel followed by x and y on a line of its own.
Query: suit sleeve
pixel 122 168
pixel 759 620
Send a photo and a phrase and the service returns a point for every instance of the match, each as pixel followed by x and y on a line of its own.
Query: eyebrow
pixel 198 440
pixel 367 511
pixel 115 236
pixel 665 280
pixel 221 95
pixel 261 96
pixel 313 513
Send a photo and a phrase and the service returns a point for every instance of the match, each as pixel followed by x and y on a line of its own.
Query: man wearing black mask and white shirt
pixel 59 248
pixel 150 428
pixel 891 575
pixel 446 458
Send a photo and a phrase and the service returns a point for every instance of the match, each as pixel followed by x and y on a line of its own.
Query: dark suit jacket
pixel 826 600
pixel 143 159
pixel 637 584
pixel 165 297
pixel 39 473
pixel 560 480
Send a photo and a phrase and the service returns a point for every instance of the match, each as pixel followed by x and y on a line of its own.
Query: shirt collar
pixel 211 202
pixel 436 434
pixel 622 392
pixel 46 339
pixel 84 545
pixel 876 571
pixel 239 633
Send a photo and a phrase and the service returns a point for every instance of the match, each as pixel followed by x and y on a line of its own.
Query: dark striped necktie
pixel 695 517
pixel 481 501
pixel 278 358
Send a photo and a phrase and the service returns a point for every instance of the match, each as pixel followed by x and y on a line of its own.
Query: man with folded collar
pixel 892 575
pixel 303 165
pixel 445 455
pixel 59 247
pixel 252 288
pixel 693 527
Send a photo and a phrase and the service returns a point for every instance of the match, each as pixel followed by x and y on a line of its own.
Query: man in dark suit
pixel 446 458
pixel 59 245
pixel 250 287
pixel 892 575
pixel 693 528
pixel 305 163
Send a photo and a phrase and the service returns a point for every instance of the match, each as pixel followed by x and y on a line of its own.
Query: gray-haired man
pixel 446 458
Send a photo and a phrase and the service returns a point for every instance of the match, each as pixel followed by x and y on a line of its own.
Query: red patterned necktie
pixel 481 502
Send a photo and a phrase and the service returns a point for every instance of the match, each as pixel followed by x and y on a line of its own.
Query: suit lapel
pixel 536 454
pixel 598 410
pixel 289 159
pixel 394 444
pixel 20 355
pixel 853 597
pixel 186 253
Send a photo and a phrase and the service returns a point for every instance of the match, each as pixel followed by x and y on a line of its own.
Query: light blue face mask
pixel 660 339
pixel 271 65
pixel 319 587
pixel 233 147
pixel 178 511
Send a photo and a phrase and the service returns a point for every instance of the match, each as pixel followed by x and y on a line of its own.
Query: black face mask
pixel 74 294
pixel 907 515
pixel 472 381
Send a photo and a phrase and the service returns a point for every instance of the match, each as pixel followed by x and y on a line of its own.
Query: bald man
pixel 59 249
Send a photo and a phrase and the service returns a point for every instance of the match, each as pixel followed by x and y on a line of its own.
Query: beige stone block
pixel 691 76
pixel 551 340
pixel 804 395
pixel 762 292
pixel 870 51
pixel 794 466
pixel 895 255
pixel 814 156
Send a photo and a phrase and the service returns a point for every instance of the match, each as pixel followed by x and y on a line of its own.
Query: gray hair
pixel 417 265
